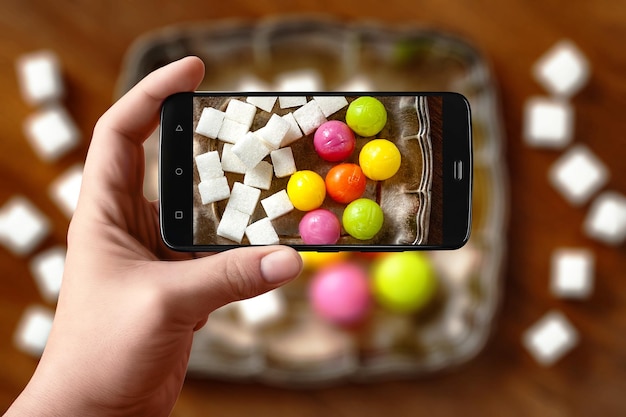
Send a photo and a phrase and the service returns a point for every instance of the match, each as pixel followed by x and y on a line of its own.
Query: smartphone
pixel 324 171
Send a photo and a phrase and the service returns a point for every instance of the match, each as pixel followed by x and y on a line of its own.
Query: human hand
pixel 128 306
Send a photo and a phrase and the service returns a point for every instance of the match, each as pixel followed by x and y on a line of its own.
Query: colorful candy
pixel 380 159
pixel 366 116
pixel 320 227
pixel 306 190
pixel 345 182
pixel 363 218
pixel 334 141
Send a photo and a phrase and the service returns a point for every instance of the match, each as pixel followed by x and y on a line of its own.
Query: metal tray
pixel 328 54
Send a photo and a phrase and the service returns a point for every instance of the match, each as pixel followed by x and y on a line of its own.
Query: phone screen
pixel 328 171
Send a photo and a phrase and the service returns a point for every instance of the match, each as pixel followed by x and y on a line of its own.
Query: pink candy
pixel 334 141
pixel 320 227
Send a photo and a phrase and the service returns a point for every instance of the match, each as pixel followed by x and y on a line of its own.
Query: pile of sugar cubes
pixel 52 133
pixel 245 151
pixel 578 174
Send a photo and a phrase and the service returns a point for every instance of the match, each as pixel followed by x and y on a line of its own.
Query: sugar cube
pixel 330 104
pixel 22 225
pixel 262 102
pixel 214 189
pixel 262 309
pixel 244 198
pixel 230 161
pixel 210 122
pixel 51 132
pixel 577 174
pixel 262 232
pixel 358 83
pixel 284 164
pixel 250 82
pixel 572 273
pixel 606 220
pixel 286 102
pixel 240 112
pixel 232 131
pixel 274 131
pixel 277 204
pixel 548 123
pixel 563 70
pixel 294 133
pixel 47 268
pixel 233 224
pixel 250 150
pixel 64 191
pixel 209 165
pixel 299 80
pixel 260 176
pixel 550 338
pixel 33 330
pixel 309 117
pixel 39 77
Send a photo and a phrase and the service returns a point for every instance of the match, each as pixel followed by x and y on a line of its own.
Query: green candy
pixel 366 116
pixel 363 218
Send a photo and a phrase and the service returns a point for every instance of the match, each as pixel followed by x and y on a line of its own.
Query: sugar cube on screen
pixel 571 273
pixel 578 174
pixel 231 162
pixel 33 330
pixel 262 309
pixel 277 204
pixel 548 123
pixel 232 131
pixel 209 165
pixel 550 338
pixel 286 102
pixel 262 232
pixel 240 112
pixel 309 117
pixel 563 70
pixel 210 122
pixel 39 77
pixel 244 198
pixel 214 189
pixel 260 176
pixel 262 102
pixel 299 80
pixel 51 132
pixel 330 104
pixel 64 191
pixel 284 164
pixel 233 224
pixel 22 225
pixel 294 133
pixel 47 269
pixel 606 220
pixel 250 150
pixel 274 131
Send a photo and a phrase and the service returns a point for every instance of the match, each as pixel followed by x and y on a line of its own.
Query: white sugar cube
pixel 262 232
pixel 262 102
pixel 51 132
pixel 244 198
pixel 299 80
pixel 210 122
pixel 563 70
pixel 240 112
pixel 572 273
pixel 294 133
pixel 358 83
pixel 550 338
pixel 233 224
pixel 231 162
pixel 260 176
pixel 22 225
pixel 548 123
pixel 330 104
pixel 232 131
pixel 606 220
pixel 209 165
pixel 33 330
pixel 64 191
pixel 284 164
pixel 47 268
pixel 39 77
pixel 262 309
pixel 252 83
pixel 214 189
pixel 250 150
pixel 277 204
pixel 286 102
pixel 309 117
pixel 274 131
pixel 578 174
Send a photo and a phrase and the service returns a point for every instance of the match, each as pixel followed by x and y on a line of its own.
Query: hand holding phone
pixel 330 171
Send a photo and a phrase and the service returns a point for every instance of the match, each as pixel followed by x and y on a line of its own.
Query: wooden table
pixel 91 40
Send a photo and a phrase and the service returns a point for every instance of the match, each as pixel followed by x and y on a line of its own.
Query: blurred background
pixel 470 360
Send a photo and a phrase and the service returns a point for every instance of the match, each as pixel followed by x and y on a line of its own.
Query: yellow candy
pixel 306 190
pixel 379 159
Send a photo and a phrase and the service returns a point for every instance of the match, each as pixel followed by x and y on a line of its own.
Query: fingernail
pixel 280 266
